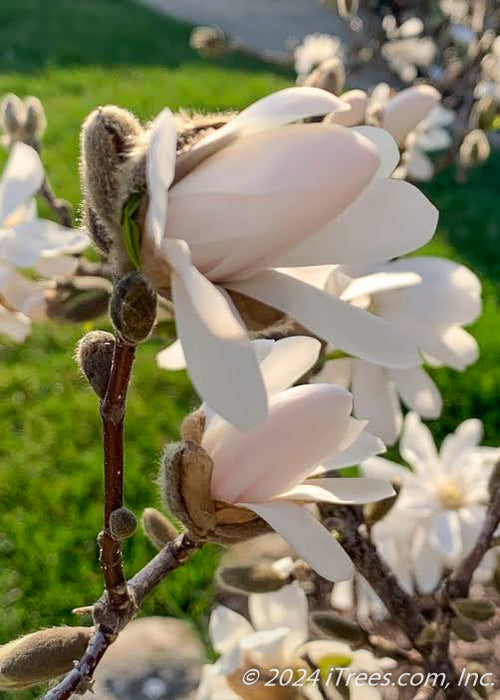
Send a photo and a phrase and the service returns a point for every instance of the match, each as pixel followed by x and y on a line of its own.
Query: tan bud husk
pixel 494 481
pixel 474 609
pixel 475 148
pixel 122 523
pixel 157 528
pixel 209 41
pixel 374 512
pixel 258 578
pixel 133 307
pixel 185 482
pixel 94 355
pixel 12 115
pixel 464 630
pixel 35 121
pixel 41 656
pixel 329 75
pixel 193 426
pixel 335 626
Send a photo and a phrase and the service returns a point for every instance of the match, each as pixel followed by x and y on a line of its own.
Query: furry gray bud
pixel 209 41
pixel 94 356
pixel 13 112
pixel 122 523
pixel 157 528
pixel 35 122
pixel 133 307
pixel 258 578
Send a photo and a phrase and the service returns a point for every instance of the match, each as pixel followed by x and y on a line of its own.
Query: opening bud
pixel 94 356
pixel 330 76
pixel 133 307
pixel 157 528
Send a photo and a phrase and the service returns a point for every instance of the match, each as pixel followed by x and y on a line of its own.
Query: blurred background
pixel 75 56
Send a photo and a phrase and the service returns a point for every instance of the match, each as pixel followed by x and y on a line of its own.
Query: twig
pixel 112 413
pixel 169 558
pixel 61 208
pixel 387 646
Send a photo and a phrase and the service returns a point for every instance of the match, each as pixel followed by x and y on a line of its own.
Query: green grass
pixel 77 55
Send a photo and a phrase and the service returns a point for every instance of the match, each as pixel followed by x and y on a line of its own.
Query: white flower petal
pixel 50 265
pixel 468 434
pixel 417 445
pixel 409 107
pixel 446 533
pixel 370 230
pixel 418 392
pixel 351 329
pixel 380 468
pixel 226 628
pixel 386 146
pixel 160 170
pixel 357 101
pixel 435 139
pixel 364 447
pixel 21 180
pixel 14 325
pixel 307 537
pixel 172 358
pixel 419 167
pixel 375 400
pixel 218 352
pixel 284 608
pixel 24 244
pixel 289 359
pixel 344 490
pixel 379 282
pixel 427 562
pixel 335 372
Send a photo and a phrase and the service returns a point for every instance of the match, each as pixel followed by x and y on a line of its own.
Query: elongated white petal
pixel 284 608
pixel 226 628
pixel 218 352
pixel 446 534
pixel 409 107
pixel 14 325
pixel 351 329
pixel 24 295
pixel 340 490
pixel 371 229
pixel 380 468
pixel 386 146
pixel 24 244
pixel 22 178
pixel 160 170
pixel 379 282
pixel 427 562
pixel 468 434
pixel 308 537
pixel 336 372
pixel 172 358
pixel 288 361
pixel 434 139
pixel 417 445
pixel 365 446
pixel 357 100
pixel 375 400
pixel 419 166
pixel 305 424
pixel 278 109
pixel 418 392
pixel 316 275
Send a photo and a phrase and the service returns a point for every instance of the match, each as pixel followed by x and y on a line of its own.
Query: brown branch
pixel 112 413
pixel 61 208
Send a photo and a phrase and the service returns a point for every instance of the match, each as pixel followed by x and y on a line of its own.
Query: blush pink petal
pixel 357 101
pixel 304 425
pixel 407 109
pixel 160 170
pixel 386 146
pixel 375 400
pixel 21 179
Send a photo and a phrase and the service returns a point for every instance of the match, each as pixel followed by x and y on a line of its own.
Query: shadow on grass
pixel 470 217
pixel 35 35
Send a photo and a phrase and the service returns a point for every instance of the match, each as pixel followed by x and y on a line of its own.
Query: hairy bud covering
pixel 12 112
pixel 122 523
pixel 41 656
pixel 478 610
pixel 258 578
pixel 208 41
pixel 193 426
pixel 330 76
pixel 133 307
pixel 475 149
pixel 335 626
pixel 35 121
pixel 157 528
pixel 185 482
pixel 94 355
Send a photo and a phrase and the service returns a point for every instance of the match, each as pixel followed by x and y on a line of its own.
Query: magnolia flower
pixel 278 627
pixel 429 135
pixel 489 85
pixel 357 593
pixel 430 299
pixel 276 469
pixel 407 51
pixel 442 503
pixel 26 241
pixel 313 51
pixel 277 196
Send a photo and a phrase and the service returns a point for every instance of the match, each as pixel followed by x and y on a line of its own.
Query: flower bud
pixel 428 635
pixel 335 626
pixel 329 75
pixel 133 307
pixel 12 114
pixel 157 528
pixel 464 630
pixel 35 121
pixel 475 149
pixel 474 609
pixel 185 483
pixel 41 656
pixel 94 356
pixel 483 113
pixel 122 523
pixel 259 578
pixel 374 512
pixel 209 41
pixel 193 426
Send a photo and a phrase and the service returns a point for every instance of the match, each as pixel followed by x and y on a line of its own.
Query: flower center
pixel 450 495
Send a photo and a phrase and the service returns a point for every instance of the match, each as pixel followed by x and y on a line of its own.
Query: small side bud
pixel 35 122
pixel 122 523
pixel 193 426
pixel 428 635
pixel 335 626
pixel 374 512
pixel 94 355
pixel 12 114
pixel 330 76
pixel 209 41
pixel 259 578
pixel 157 528
pixel 41 656
pixel 475 149
pixel 464 630
pixel 474 609
pixel 133 307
